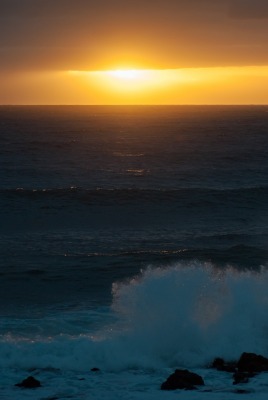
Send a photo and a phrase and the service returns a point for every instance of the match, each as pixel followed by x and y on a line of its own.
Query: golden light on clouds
pixel 133 86
pixel 155 52
pixel 222 85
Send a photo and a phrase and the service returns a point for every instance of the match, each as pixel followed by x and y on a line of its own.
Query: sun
pixel 126 80
pixel 130 85
pixel 126 74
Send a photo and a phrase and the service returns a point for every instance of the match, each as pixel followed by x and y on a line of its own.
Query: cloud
pixel 91 34
pixel 249 9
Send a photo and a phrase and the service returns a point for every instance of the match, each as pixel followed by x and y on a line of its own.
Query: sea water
pixel 133 240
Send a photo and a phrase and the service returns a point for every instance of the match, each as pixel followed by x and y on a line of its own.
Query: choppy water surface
pixel 125 231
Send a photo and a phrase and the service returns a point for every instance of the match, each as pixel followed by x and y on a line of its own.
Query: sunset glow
pixel 222 85
pixel 133 81
pixel 194 52
pixel 126 74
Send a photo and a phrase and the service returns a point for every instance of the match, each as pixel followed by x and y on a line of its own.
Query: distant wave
pixel 191 195
pixel 241 256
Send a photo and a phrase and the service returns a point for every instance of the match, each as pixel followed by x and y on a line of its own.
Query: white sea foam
pixel 186 315
pixel 180 316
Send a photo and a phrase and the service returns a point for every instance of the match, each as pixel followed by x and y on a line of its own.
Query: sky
pixel 199 51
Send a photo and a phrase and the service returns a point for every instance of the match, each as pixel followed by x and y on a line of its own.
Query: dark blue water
pixel 90 195
pixel 133 239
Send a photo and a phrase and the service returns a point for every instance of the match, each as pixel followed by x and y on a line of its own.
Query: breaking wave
pixel 182 315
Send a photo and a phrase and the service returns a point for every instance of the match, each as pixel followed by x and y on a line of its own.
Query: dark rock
pixel 252 362
pixel 29 383
pixel 221 365
pixel 52 398
pixel 242 377
pixel 182 379
pixel 218 363
pixel 242 391
pixel 95 369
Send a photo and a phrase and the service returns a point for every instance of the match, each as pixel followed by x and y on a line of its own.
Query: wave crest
pixel 188 314
pixel 180 316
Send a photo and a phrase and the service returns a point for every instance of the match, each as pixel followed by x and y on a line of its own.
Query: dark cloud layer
pixel 249 9
pixel 66 34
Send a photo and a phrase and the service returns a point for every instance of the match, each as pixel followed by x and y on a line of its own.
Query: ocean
pixel 133 240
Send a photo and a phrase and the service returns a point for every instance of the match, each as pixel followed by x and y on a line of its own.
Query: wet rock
pixel 221 365
pixel 52 398
pixel 242 391
pixel 242 377
pixel 29 383
pixel 182 379
pixel 251 362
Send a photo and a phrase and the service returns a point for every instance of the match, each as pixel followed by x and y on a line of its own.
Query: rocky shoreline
pixel 246 367
pixel 241 371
